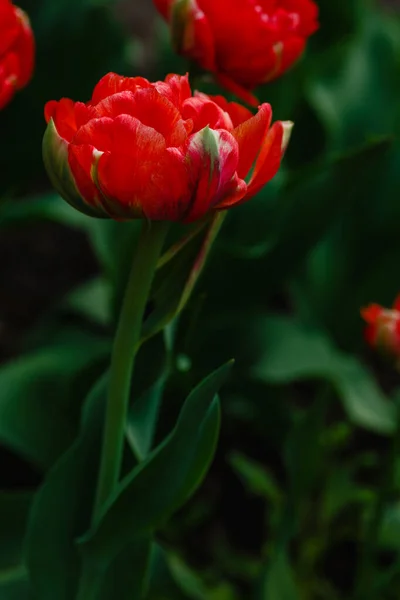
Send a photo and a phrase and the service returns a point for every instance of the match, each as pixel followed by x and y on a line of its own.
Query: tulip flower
pixel 383 328
pixel 17 51
pixel 244 42
pixel 153 150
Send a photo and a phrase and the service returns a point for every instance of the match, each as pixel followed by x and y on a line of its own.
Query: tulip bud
pixel 383 329
pixel 17 51
pixel 153 150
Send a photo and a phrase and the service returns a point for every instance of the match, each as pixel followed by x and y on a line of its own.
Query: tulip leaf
pixel 279 583
pixel 293 352
pixel 14 509
pixel 127 576
pixel 159 485
pixel 62 506
pixel 49 207
pixel 92 300
pixel 176 279
pixel 148 384
pixel 37 418
pixel 256 478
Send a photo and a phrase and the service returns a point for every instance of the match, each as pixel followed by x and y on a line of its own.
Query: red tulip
pixel 245 42
pixel 139 149
pixel 17 51
pixel 383 328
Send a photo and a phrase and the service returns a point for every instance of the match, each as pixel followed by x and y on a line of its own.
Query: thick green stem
pixel 126 342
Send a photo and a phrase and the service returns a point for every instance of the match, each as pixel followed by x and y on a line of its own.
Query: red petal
pixel 97 133
pixel 156 111
pixel 269 159
pixel 63 115
pixel 204 112
pixel 371 313
pixel 168 196
pixel 24 48
pixel 142 175
pixel 192 34
pixel 250 136
pixel 237 112
pixel 9 27
pixel 163 7
pixel 176 88
pixel 370 334
pixel 7 91
pixel 120 103
pixel 113 83
pixel 396 303
pixel 125 172
pixel 212 157
pixel 81 160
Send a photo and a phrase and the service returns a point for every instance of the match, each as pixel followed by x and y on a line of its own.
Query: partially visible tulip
pixel 383 328
pixel 244 42
pixel 17 51
pixel 153 150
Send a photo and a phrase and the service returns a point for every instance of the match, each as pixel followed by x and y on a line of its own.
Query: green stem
pixel 125 346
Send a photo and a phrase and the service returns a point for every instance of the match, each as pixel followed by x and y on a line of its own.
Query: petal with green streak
pixel 55 158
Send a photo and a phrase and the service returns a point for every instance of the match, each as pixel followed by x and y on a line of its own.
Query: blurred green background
pixel 302 501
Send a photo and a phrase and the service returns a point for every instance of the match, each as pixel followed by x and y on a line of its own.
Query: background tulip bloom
pixel 139 149
pixel 17 51
pixel 383 328
pixel 245 42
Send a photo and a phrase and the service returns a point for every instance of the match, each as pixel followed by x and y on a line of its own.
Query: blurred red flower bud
pixel 244 42
pixel 383 328
pixel 17 51
pixel 153 150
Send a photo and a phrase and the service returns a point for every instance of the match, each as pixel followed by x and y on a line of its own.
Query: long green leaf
pixel 37 417
pixel 61 509
pixel 164 481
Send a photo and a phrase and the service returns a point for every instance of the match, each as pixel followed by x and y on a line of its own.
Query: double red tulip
pixel 17 50
pixel 245 42
pixel 383 328
pixel 139 149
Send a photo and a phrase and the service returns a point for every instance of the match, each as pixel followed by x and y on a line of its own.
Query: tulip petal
pixel 112 84
pixel 55 157
pixel 192 34
pixel 371 313
pixel 82 159
pixel 63 115
pixel 237 112
pixel 396 303
pixel 212 157
pixel 140 173
pixel 24 48
pixel 270 156
pixel 163 7
pixel 249 136
pixel 204 112
pixel 176 88
pixel 156 111
pixel 7 91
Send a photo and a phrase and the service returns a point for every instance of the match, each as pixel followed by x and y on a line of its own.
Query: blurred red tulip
pixel 383 328
pixel 245 42
pixel 139 149
pixel 17 51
